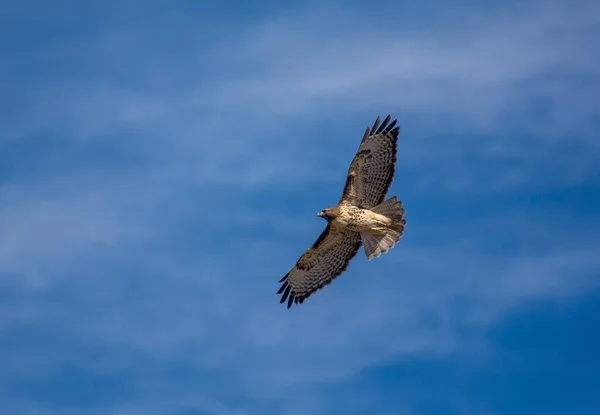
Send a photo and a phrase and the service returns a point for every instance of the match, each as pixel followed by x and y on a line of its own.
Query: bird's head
pixel 327 214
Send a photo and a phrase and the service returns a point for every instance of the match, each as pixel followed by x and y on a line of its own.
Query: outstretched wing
pixel 320 264
pixel 372 170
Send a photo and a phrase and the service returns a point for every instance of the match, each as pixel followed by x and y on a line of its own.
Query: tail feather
pixel 377 243
pixel 392 208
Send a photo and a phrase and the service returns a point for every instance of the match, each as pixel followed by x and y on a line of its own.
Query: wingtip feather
pixel 376 124
pixel 382 127
pixel 366 135
pixel 384 124
pixel 286 293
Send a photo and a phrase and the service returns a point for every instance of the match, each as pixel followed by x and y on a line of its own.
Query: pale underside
pixel 357 219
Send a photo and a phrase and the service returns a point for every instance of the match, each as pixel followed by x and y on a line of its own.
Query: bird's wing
pixel 372 170
pixel 326 259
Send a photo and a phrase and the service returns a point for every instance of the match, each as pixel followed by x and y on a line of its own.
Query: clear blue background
pixel 162 163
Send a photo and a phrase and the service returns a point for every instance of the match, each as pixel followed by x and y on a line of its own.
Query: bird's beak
pixel 320 214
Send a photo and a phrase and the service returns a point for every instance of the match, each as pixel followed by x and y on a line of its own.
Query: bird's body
pixel 361 217
pixel 356 219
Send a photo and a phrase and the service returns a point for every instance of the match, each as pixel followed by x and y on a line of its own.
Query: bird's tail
pixel 378 243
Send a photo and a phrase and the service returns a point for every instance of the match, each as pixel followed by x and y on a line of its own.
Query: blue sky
pixel 162 163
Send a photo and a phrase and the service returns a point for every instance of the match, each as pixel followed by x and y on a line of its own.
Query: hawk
pixel 361 217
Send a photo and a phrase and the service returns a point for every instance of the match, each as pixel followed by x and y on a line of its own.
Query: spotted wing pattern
pixel 325 260
pixel 372 170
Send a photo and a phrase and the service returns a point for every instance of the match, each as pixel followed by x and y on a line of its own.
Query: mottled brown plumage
pixel 362 216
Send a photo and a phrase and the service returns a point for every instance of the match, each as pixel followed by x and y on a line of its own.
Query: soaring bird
pixel 361 217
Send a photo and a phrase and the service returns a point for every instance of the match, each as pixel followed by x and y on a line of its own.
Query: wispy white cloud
pixel 475 66
pixel 221 316
pixel 476 71
pixel 525 75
